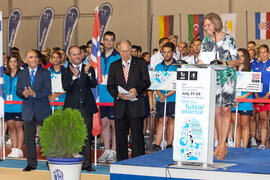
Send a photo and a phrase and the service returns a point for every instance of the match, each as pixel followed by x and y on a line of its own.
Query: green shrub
pixel 63 134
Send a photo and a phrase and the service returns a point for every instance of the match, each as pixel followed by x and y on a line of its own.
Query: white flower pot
pixel 65 168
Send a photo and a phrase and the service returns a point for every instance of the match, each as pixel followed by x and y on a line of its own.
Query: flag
pixel 13 26
pixel 44 25
pixel 70 21
pixel 195 26
pixel 96 63
pixel 262 22
pixel 165 26
pixel 229 23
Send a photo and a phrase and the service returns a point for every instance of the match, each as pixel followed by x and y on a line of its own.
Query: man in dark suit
pixel 77 81
pixel 131 74
pixel 34 87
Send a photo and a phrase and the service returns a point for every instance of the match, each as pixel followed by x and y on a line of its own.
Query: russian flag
pixel 195 26
pixel 262 22
pixel 96 63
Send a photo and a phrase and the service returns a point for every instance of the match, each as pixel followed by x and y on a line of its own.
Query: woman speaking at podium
pixel 219 42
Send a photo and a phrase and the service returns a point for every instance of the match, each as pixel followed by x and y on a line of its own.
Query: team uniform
pixel 12 111
pixel 170 110
pixel 264 68
pixel 62 97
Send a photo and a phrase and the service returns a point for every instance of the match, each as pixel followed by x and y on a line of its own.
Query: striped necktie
pixel 126 70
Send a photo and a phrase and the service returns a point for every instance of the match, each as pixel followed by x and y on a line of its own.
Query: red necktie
pixel 126 70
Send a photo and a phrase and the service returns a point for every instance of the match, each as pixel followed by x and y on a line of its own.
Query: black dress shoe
pixel 89 169
pixel 29 168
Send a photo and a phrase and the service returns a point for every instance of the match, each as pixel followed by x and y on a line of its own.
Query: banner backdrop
pixel 104 14
pixel 13 26
pixel 70 22
pixel 44 25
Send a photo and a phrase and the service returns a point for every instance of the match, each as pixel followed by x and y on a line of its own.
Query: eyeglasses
pixel 207 25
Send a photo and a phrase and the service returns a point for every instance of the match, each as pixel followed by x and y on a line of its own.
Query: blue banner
pixel 104 14
pixel 45 21
pixel 70 22
pixel 13 25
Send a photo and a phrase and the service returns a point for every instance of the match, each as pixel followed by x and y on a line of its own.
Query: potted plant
pixel 62 137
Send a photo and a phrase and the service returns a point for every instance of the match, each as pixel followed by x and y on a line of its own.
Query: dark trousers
pixel 30 128
pixel 86 151
pixel 121 130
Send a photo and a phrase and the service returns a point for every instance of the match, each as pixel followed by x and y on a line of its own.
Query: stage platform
pixel 239 164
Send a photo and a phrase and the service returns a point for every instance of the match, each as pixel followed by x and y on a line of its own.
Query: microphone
pixel 215 61
pixel 179 62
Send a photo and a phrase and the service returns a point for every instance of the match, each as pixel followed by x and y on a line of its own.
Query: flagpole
pixel 246 27
pixel 150 34
pixel 180 33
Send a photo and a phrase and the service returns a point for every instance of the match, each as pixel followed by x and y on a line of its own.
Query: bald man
pixel 131 74
pixel 34 87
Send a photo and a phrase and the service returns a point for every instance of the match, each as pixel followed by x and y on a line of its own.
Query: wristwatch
pixel 226 63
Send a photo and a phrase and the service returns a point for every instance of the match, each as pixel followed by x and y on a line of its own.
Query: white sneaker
pixel 261 146
pixel 8 141
pixel 230 142
pixel 13 153
pixel 104 156
pixel 20 153
pixel 216 143
pixel 112 157
pixel 253 142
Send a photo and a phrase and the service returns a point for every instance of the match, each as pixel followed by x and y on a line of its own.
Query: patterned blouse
pixel 227 51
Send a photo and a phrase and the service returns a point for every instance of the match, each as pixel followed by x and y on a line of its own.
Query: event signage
pixel 249 82
pixel 71 18
pixel 104 14
pixel 162 80
pixel 13 26
pixel 44 25
pixel 194 115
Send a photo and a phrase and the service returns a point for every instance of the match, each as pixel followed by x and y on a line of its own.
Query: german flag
pixel 165 26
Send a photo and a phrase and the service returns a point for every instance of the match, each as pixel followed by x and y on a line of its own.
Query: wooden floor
pixel 15 174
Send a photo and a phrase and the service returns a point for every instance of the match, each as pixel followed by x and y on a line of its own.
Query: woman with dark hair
pixel 245 110
pixel 13 111
pixel 224 44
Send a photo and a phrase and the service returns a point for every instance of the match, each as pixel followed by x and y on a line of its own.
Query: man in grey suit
pixel 34 87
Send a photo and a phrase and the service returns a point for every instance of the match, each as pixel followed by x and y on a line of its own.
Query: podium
pixel 195 114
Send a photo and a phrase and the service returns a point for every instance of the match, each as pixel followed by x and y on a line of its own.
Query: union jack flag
pixel 96 63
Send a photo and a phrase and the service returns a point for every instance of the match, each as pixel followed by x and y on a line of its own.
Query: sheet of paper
pixel 125 92
pixel 207 57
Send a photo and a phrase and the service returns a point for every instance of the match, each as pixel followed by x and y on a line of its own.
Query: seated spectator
pixel 13 112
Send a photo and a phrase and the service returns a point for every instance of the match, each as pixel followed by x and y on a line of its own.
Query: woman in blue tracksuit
pixel 245 110
pixel 13 111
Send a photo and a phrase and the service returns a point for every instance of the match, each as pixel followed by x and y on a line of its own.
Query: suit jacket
pixel 138 78
pixel 38 105
pixel 78 91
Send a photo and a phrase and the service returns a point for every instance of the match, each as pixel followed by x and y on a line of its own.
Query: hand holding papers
pixel 127 95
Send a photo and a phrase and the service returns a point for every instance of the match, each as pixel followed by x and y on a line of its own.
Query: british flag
pixel 96 63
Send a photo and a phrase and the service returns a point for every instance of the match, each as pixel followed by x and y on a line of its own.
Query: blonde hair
pixel 215 19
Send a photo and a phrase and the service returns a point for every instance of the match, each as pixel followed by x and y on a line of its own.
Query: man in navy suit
pixel 34 87
pixel 131 74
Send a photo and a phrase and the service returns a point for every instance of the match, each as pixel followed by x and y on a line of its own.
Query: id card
pixel 9 97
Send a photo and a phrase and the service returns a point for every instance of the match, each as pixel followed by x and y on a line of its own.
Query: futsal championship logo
pixel 191 140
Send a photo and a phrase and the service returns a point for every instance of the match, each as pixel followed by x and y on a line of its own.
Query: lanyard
pixel 195 61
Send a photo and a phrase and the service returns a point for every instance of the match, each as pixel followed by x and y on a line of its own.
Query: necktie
pixel 126 71
pixel 78 67
pixel 32 77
